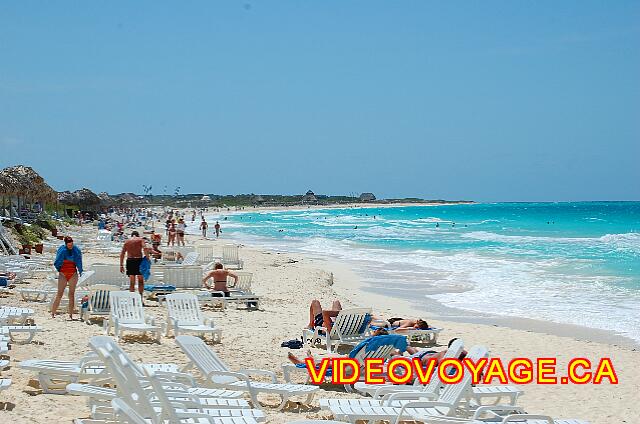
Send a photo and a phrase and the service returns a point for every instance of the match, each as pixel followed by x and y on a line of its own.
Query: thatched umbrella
pixel 67 198
pixel 86 198
pixel 105 199
pixel 23 181
pixel 8 188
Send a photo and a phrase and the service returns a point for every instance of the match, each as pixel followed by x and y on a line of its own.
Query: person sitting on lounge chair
pixel 319 317
pixel 219 275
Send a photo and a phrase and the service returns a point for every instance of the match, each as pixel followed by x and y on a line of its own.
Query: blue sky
pixel 491 101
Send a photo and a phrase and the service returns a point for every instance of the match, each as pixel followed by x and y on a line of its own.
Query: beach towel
pixel 145 268
pixel 159 288
pixel 374 342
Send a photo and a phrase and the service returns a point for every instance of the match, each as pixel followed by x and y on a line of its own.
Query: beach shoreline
pixel 435 309
pixel 287 283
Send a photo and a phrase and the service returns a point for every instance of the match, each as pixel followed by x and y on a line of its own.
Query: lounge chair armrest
pixel 494 409
pixel 249 371
pixel 239 376
pixel 389 398
pixel 418 405
pixel 183 378
pixel 384 390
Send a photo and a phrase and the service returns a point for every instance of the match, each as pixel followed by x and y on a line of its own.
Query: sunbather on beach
pixel 219 275
pixel 319 317
pixel 425 355
pixel 400 324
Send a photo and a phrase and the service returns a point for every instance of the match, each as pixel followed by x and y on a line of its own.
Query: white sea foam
pixel 513 277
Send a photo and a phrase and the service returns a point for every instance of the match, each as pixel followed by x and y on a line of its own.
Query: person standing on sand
pixel 134 249
pixel 218 229
pixel 172 233
pixel 181 227
pixel 203 227
pixel 68 263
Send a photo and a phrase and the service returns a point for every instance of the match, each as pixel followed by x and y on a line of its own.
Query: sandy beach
pixel 251 339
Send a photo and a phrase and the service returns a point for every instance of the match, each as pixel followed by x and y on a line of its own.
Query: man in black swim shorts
pixel 134 249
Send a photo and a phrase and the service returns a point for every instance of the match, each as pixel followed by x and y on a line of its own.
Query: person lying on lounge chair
pixel 400 324
pixel 425 355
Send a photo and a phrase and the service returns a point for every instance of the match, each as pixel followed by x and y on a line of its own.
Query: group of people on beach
pixel 134 253
pixel 325 318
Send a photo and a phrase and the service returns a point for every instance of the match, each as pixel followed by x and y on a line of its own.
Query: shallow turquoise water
pixel 573 263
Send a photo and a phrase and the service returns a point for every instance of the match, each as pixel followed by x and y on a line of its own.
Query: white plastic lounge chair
pixel 126 414
pixel 513 418
pixel 184 315
pixel 434 385
pixel 40 294
pixel 350 327
pixel 127 314
pixel 230 258
pixel 421 406
pixel 206 254
pixel 240 291
pixel 383 351
pixel 54 375
pixel 99 304
pixel 10 315
pixel 108 274
pixel 199 396
pixel 5 383
pixel 217 374
pixel 162 408
pixel 13 330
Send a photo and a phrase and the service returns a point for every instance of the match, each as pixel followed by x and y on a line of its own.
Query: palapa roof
pixel 23 181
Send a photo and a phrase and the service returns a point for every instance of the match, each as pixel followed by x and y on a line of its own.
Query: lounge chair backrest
pixel 383 351
pixel 127 381
pixel 230 253
pixel 190 259
pixel 126 307
pixel 107 274
pixel 184 308
pixel 205 254
pixel 183 277
pixel 202 357
pixel 350 323
pixel 244 281
pixel 454 393
pixel 99 301
pixel 453 351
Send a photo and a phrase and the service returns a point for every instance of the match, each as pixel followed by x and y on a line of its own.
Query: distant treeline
pixel 216 200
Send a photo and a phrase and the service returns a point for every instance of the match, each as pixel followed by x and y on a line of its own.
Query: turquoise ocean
pixel 574 263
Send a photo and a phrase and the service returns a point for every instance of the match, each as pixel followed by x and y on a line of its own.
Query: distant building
pixel 367 197
pixel 309 197
pixel 258 199
pixel 205 199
